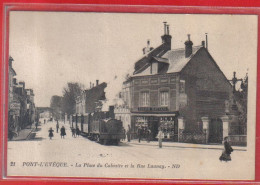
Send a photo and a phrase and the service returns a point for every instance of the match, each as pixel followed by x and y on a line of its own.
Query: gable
pixel 207 73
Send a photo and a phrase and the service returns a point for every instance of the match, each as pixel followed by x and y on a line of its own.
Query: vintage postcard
pixel 132 95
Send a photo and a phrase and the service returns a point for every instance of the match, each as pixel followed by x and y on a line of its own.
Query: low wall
pixel 238 140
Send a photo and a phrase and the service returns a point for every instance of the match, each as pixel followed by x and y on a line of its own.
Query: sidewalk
pixel 185 145
pixel 25 134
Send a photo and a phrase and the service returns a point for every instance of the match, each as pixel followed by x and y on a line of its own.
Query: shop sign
pixel 15 106
pixel 15 112
pixel 152 108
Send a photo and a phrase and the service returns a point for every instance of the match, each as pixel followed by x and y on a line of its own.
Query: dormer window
pixel 154 68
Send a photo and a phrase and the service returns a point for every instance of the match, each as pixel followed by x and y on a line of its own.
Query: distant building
pixel 183 91
pixel 89 101
pixel 13 102
pixel 44 112
pixel 21 107
pixel 30 106
pixel 122 108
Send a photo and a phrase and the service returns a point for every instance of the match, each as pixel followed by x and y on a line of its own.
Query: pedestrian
pixel 44 121
pixel 36 124
pixel 124 134
pixel 140 133
pixel 148 135
pixel 51 133
pixel 225 156
pixel 10 134
pixel 73 131
pixel 77 131
pixel 160 136
pixel 128 134
pixel 57 127
pixel 62 132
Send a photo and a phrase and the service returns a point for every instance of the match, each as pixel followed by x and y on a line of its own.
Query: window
pixel 164 98
pixel 182 86
pixel 145 99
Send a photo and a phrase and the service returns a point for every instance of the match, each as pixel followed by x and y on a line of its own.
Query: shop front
pixel 148 125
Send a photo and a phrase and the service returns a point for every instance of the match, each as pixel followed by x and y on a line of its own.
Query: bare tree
pixel 56 103
pixel 70 94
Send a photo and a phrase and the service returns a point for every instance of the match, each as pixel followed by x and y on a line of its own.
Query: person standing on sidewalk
pixel 77 131
pixel 148 135
pixel 57 127
pixel 140 133
pixel 62 132
pixel 36 124
pixel 160 137
pixel 73 131
pixel 128 134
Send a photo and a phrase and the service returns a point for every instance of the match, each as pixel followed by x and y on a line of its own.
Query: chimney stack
pixel 14 81
pixel 97 82
pixel 147 49
pixel 11 61
pixel 166 38
pixel 165 33
pixel 188 47
pixel 22 83
pixel 203 43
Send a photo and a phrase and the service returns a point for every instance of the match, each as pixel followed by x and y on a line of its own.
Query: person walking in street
pixel 44 121
pixel 225 156
pixel 77 131
pixel 160 137
pixel 128 134
pixel 57 127
pixel 62 132
pixel 51 133
pixel 73 131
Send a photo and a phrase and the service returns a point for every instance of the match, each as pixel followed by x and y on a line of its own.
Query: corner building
pixel 182 91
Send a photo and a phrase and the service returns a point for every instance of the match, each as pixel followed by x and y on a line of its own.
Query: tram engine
pixel 102 127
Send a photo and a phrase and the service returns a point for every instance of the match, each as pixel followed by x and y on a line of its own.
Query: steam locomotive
pixel 100 126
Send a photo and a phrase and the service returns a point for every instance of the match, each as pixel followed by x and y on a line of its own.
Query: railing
pixel 192 137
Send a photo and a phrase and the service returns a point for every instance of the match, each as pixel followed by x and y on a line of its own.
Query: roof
pixel 143 62
pixel 93 95
pixel 177 59
pixel 174 59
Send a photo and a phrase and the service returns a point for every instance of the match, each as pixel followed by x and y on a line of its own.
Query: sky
pixel 52 48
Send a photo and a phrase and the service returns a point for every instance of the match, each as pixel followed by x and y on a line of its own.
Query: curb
pixel 197 147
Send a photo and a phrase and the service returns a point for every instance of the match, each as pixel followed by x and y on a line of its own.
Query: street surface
pixel 80 157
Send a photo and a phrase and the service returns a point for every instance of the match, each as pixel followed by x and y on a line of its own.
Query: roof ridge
pixel 178 49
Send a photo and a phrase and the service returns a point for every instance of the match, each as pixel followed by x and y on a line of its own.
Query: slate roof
pixel 174 58
pixel 143 62
pixel 177 58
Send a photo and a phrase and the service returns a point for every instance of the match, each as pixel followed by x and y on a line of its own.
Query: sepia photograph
pixel 131 95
